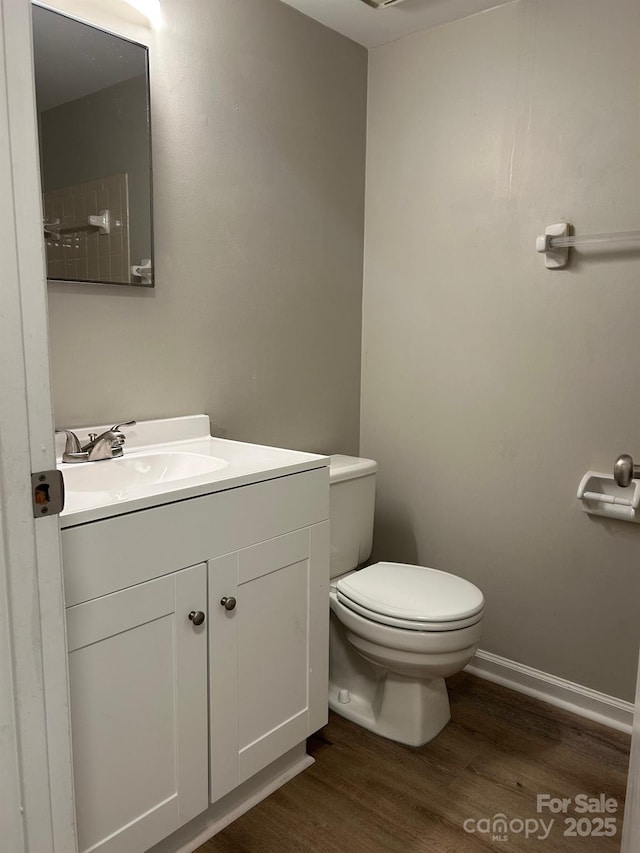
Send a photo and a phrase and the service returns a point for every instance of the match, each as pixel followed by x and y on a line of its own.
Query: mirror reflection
pixel 93 120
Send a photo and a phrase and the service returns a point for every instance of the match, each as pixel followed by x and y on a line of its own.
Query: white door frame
pixel 36 791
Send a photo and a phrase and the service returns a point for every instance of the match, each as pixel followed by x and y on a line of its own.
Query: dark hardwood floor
pixel 365 794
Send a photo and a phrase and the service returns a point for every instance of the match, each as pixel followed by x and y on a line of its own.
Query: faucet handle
pixel 73 451
pixel 73 442
pixel 118 438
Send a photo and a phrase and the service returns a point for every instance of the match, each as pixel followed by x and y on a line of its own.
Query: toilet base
pixel 407 710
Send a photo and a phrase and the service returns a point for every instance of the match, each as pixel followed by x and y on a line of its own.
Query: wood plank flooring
pixel 366 794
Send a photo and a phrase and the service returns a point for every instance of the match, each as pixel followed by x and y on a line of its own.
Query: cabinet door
pixel 138 680
pixel 268 656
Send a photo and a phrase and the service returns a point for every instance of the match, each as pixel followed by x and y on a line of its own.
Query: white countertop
pixel 247 463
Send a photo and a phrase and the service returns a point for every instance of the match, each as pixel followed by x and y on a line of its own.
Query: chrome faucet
pixel 107 445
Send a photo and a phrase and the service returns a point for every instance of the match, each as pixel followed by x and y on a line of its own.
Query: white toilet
pixel 397 631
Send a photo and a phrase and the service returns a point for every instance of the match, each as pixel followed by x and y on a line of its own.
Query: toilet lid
pixel 414 594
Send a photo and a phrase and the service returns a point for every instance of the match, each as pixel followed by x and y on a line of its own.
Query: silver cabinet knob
pixel 228 602
pixel 197 617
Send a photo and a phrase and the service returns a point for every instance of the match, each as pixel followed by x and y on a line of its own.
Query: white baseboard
pixel 233 813
pixel 612 712
pixel 207 824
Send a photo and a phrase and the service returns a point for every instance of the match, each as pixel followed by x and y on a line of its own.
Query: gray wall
pixel 97 136
pixel 490 385
pixel 258 122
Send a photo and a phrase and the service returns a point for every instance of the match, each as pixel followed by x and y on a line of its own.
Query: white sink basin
pixel 139 471
pixel 168 460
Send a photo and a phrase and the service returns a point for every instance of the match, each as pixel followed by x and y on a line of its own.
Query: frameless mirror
pixel 92 92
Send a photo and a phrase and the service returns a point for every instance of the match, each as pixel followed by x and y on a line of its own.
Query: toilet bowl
pixel 397 630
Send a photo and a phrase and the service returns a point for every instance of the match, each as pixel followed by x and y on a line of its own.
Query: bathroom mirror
pixel 92 92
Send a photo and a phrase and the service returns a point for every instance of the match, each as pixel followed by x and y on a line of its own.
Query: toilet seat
pixel 407 624
pixel 411 597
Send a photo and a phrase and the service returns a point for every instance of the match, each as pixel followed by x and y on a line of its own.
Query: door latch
pixel 47 491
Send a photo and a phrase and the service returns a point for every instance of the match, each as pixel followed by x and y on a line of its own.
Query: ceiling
pixel 372 27
pixel 73 59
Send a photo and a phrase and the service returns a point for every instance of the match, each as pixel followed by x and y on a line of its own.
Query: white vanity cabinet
pixel 138 676
pixel 168 716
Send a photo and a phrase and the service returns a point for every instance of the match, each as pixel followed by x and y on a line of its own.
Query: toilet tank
pixel 352 494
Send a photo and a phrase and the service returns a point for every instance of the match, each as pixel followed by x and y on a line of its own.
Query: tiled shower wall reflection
pixel 79 252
